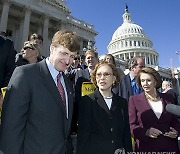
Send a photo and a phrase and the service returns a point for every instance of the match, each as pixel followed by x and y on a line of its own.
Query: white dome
pixel 129 40
pixel 127 28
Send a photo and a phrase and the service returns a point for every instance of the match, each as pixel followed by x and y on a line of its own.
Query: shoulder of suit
pixel 166 96
pixel 5 38
pixel 28 67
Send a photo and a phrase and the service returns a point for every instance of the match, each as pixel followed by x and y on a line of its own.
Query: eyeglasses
pixel 105 74
pixel 25 48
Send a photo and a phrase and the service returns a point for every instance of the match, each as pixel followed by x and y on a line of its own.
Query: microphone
pixel 174 109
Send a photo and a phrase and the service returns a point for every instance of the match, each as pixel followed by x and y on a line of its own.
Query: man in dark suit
pixel 128 85
pixel 38 105
pixel 7 62
pixel 167 88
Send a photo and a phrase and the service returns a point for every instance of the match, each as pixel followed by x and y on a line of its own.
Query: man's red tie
pixel 61 89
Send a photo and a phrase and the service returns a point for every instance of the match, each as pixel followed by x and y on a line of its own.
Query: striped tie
pixel 61 89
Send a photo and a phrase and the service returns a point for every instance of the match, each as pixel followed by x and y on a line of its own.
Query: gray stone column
pixel 26 23
pixel 81 52
pixel 4 16
pixel 129 55
pixel 149 56
pixel 153 59
pixel 45 36
pixel 145 58
pixel 124 56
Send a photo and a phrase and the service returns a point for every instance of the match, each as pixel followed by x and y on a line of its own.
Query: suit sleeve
pixel 84 125
pixel 10 63
pixel 138 131
pixel 15 113
pixel 127 134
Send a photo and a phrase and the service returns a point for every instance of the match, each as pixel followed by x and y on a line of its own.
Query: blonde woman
pixel 103 125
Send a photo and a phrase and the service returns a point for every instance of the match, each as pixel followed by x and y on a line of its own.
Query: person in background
pixel 154 129
pixel 167 88
pixel 82 62
pixel 110 58
pixel 70 72
pixel 7 61
pixel 29 54
pixel 38 105
pixel 103 126
pixel 91 59
pixel 38 39
pixel 128 85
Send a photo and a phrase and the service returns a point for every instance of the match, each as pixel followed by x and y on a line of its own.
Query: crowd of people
pixel 44 105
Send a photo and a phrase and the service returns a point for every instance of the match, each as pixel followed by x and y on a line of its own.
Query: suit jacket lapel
pixel 114 102
pixel 101 102
pixel 50 84
pixel 164 103
pixel 128 83
pixel 146 106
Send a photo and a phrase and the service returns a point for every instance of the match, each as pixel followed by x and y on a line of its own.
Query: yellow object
pixel 87 88
pixel 133 143
pixel 3 90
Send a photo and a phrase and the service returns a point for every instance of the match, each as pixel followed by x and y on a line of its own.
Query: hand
pixel 153 132
pixel 172 133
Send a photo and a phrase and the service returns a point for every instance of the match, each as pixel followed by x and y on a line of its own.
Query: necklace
pixel 154 99
pixel 110 97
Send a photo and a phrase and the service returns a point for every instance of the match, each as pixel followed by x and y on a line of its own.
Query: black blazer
pixel 33 118
pixel 7 61
pixel 100 130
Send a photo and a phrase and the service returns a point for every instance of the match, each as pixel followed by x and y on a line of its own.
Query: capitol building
pixel 21 18
pixel 130 40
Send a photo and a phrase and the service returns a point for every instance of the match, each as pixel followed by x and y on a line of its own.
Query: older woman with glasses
pixel 103 126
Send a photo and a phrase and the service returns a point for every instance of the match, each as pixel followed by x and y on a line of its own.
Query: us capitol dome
pixel 129 40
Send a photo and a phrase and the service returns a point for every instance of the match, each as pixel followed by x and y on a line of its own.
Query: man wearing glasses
pixel 38 105
pixel 128 85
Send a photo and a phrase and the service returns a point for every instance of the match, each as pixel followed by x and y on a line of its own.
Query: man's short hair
pixel 91 52
pixel 131 63
pixel 67 39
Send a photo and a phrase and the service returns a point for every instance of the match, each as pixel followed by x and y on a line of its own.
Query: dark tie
pixel 61 89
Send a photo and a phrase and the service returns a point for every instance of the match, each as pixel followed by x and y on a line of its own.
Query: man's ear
pixel 51 49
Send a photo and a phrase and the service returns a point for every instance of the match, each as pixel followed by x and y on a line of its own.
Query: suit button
pixel 112 142
pixel 111 129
